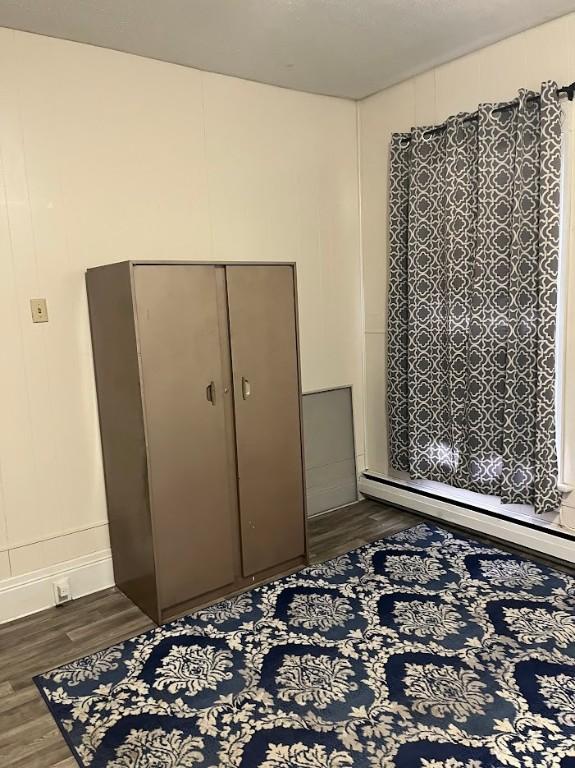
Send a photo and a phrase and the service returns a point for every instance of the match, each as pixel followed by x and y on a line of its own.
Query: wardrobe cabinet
pixel 197 376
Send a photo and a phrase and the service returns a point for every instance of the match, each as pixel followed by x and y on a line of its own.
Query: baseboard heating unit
pixel 514 529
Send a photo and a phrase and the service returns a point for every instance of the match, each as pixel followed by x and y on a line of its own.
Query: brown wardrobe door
pixel 261 302
pixel 183 383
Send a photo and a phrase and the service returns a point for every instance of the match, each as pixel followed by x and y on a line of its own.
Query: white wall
pixel 106 157
pixel 491 74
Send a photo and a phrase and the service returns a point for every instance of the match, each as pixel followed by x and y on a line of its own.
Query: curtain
pixel 474 210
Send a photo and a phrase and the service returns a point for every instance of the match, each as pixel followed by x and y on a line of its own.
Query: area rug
pixel 424 650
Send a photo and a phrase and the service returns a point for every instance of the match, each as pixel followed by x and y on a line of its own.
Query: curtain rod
pixel 566 91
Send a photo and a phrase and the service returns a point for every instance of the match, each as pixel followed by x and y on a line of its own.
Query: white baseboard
pixel 507 531
pixel 33 592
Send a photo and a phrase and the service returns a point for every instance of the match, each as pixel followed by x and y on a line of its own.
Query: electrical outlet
pixel 39 310
pixel 62 593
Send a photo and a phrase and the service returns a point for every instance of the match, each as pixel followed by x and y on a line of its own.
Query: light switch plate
pixel 39 310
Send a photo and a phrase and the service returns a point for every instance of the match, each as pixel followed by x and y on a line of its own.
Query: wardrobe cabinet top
pixel 137 263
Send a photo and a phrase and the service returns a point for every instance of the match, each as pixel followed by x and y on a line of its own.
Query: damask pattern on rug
pixel 425 650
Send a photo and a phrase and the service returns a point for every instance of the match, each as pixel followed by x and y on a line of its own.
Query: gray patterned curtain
pixel 474 242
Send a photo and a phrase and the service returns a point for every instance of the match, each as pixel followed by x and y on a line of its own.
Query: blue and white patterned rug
pixel 425 650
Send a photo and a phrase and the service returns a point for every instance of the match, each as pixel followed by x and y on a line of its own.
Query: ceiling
pixel 348 48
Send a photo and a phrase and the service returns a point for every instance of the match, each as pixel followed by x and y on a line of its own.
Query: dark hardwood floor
pixel 29 737
pixel 350 527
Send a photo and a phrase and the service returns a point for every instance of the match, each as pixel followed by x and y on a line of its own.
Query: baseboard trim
pixel 516 534
pixel 23 595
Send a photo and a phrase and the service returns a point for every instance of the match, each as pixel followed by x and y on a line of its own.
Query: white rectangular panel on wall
pixel 331 479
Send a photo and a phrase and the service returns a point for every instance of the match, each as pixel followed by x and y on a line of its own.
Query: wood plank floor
pixel 29 737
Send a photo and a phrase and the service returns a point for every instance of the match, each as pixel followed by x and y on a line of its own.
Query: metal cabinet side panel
pixel 122 432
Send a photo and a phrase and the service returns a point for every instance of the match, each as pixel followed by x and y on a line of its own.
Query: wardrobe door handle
pixel 246 388
pixel 211 393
